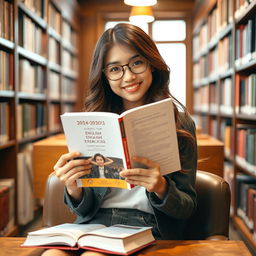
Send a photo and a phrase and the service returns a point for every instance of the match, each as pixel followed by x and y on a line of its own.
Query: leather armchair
pixel 210 220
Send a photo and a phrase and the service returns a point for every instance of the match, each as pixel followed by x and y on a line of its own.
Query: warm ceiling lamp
pixel 140 2
pixel 141 14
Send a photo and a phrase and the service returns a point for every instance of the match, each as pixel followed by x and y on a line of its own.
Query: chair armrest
pixel 217 237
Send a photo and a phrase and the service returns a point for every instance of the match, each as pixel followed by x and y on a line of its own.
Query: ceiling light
pixel 141 14
pixel 140 2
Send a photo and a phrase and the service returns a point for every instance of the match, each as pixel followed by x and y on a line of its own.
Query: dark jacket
pixel 95 173
pixel 171 212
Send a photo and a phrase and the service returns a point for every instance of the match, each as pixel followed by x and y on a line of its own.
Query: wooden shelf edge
pixel 245 13
pixel 244 230
pixel 7 43
pixel 32 56
pixel 8 144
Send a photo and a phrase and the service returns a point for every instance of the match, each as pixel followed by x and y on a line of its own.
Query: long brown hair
pixel 100 97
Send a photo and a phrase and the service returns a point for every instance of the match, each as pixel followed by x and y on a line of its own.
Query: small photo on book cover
pixel 105 172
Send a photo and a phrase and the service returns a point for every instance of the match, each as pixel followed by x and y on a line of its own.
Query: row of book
pixel 222 95
pixel 226 99
pixel 215 97
pixel 30 120
pixel 37 7
pixel 54 117
pixel 68 89
pixel 246 86
pixel 216 62
pixel 6 70
pixel 69 61
pixel 4 122
pixel 201 99
pixel 54 18
pixel 219 58
pixel 246 146
pixel 213 127
pixel 6 19
pixel 217 20
pixel 35 81
pixel 30 35
pixel 68 33
pixel 54 85
pixel 246 200
pixel 54 50
pixel 225 136
pixel 246 41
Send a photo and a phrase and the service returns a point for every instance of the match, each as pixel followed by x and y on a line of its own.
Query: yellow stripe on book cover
pixel 102 182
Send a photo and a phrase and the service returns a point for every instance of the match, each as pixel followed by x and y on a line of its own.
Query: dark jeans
pixel 112 216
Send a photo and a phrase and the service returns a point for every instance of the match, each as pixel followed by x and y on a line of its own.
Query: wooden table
pixel 10 246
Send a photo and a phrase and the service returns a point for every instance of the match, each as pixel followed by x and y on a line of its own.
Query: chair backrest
pixel 54 210
pixel 211 218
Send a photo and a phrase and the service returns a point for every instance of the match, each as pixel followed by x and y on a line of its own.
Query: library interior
pixel 46 48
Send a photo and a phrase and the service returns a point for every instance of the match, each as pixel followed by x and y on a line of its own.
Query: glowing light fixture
pixel 141 14
pixel 140 2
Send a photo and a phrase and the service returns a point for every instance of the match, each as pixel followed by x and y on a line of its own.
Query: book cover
pixel 110 140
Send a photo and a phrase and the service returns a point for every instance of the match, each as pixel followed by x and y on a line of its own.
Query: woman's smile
pixel 132 88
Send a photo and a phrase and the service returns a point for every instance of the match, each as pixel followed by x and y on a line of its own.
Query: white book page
pixel 64 234
pixel 67 229
pixel 151 133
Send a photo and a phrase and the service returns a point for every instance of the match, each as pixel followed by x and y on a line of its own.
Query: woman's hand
pixel 68 170
pixel 151 178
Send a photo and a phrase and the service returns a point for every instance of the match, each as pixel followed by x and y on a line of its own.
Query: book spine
pixel 124 142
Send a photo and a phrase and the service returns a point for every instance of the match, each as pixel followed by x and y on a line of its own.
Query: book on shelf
pixel 147 131
pixel 25 193
pixel 116 239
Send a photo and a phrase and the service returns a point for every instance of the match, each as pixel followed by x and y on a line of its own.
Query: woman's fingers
pixel 73 164
pixel 64 159
pixel 146 162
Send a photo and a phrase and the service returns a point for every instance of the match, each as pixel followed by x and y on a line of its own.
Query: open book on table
pixel 116 239
pixel 147 131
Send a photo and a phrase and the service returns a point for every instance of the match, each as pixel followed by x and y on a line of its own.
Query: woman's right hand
pixel 69 170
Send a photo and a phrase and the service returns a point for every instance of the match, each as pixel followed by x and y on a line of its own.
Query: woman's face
pixel 99 160
pixel 132 88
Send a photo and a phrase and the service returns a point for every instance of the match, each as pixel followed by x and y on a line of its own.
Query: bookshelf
pixel 224 84
pixel 38 82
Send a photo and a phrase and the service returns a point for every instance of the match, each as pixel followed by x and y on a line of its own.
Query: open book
pixel 147 131
pixel 116 239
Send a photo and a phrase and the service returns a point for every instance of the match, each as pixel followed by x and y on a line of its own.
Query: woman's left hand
pixel 151 178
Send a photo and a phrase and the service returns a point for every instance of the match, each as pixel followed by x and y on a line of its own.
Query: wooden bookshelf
pixel 34 84
pixel 224 82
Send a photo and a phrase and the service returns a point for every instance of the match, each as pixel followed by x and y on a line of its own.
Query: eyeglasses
pixel 116 72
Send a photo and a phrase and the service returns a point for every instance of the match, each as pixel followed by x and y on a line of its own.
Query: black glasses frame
pixel 122 66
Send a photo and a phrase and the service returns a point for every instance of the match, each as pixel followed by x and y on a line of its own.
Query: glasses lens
pixel 114 72
pixel 138 65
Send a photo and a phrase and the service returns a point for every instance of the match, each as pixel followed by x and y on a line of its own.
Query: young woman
pixel 127 71
pixel 100 168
